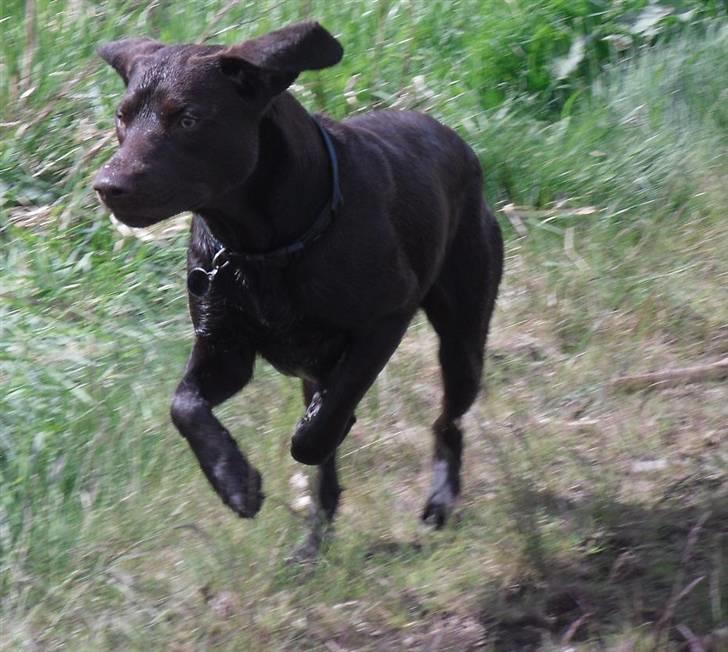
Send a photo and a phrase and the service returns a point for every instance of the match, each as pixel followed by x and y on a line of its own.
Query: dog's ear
pixel 271 63
pixel 124 55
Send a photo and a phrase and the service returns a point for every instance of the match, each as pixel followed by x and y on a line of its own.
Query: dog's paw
pixel 307 448
pixel 443 494
pixel 238 485
pixel 313 443
pixel 437 511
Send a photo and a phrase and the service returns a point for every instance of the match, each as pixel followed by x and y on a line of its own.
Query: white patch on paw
pixel 237 502
pixel 219 469
pixel 441 491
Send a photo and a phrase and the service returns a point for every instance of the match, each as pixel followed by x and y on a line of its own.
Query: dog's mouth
pixel 137 220
pixel 137 213
pixel 135 217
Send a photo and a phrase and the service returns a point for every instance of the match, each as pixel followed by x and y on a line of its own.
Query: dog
pixel 313 243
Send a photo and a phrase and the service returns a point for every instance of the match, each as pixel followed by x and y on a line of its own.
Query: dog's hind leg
pixel 459 306
pixel 214 373
pixel 461 362
pixel 325 493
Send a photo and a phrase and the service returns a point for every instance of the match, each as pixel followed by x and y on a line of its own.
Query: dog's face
pixel 188 123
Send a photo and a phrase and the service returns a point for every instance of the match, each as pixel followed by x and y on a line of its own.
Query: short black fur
pixel 413 232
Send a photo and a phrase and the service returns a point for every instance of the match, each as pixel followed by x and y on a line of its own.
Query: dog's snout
pixel 109 187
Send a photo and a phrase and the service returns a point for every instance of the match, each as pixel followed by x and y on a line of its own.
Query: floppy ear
pixel 124 55
pixel 271 63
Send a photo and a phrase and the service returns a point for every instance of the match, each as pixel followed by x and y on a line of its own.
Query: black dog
pixel 314 242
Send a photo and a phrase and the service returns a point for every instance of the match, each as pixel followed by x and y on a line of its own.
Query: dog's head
pixel 188 124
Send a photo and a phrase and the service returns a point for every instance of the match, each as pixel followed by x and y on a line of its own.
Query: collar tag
pixel 199 280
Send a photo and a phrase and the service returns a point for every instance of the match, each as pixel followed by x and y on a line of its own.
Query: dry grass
pixel 591 518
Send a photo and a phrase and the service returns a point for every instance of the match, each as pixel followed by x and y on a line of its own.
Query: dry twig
pixel 673 377
pixel 694 644
pixel 31 45
pixel 675 598
pixel 574 628
pixel 514 217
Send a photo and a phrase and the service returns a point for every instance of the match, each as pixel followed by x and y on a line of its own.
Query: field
pixel 594 515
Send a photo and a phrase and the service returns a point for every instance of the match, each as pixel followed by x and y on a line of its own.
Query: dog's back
pixel 426 180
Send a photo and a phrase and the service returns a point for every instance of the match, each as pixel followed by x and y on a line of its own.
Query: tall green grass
pixel 95 485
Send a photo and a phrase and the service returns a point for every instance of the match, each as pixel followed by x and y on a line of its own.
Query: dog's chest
pixel 259 305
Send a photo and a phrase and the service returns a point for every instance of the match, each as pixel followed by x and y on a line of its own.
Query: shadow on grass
pixel 656 569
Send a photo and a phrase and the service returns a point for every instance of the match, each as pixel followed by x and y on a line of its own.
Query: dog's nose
pixel 109 188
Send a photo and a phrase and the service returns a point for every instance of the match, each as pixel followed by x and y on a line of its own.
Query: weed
pixel 579 503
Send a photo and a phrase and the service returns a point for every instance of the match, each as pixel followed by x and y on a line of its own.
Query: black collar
pixel 199 279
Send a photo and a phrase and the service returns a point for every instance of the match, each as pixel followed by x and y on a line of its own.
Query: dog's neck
pixel 284 195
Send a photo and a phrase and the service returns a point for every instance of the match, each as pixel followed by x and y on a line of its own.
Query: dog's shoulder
pixel 409 140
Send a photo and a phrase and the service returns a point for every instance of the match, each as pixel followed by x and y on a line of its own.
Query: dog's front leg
pixel 331 410
pixel 215 371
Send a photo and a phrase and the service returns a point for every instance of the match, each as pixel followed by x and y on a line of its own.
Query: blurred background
pixel 594 512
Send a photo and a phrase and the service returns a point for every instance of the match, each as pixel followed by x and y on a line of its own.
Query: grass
pixel 590 518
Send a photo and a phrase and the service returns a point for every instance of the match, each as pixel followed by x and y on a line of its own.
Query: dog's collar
pixel 199 279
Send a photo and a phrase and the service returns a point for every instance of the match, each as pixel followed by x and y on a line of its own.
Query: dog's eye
pixel 187 121
pixel 121 119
